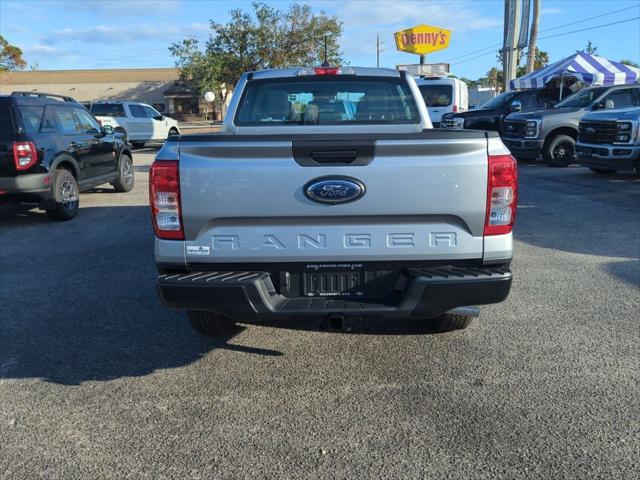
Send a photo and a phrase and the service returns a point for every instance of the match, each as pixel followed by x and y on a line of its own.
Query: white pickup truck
pixel 299 209
pixel 140 122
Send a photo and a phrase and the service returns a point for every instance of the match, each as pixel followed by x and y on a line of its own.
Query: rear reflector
pixel 25 155
pixel 164 199
pixel 502 195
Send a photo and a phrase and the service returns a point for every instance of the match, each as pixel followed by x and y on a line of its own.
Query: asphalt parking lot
pixel 99 380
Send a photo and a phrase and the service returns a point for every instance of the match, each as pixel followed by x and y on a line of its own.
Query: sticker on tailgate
pixel 197 250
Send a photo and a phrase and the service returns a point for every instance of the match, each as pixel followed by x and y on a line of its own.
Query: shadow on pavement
pixel 21 214
pixel 79 301
pixel 627 271
pixel 577 211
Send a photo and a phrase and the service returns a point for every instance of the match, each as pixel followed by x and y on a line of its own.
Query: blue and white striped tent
pixel 589 69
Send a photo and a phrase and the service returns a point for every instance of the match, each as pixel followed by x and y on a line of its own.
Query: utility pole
pixel 533 38
pixel 516 18
pixel 378 50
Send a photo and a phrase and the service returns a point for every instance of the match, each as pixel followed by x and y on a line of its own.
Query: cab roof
pixel 295 72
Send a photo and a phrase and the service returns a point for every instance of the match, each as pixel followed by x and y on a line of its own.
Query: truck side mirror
pixel 107 129
pixel 516 106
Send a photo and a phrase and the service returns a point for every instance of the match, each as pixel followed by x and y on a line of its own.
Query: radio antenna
pixel 325 63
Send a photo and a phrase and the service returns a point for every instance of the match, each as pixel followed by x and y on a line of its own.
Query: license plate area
pixel 333 284
pixel 346 280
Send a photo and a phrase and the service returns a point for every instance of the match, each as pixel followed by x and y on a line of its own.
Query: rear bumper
pixel 251 297
pixel 33 187
pixel 615 157
pixel 524 147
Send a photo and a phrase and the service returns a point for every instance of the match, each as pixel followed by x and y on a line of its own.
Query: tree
pixel 201 72
pixel 10 56
pixel 630 63
pixel 470 83
pixel 264 38
pixel 540 59
pixel 533 38
pixel 494 79
pixel 589 49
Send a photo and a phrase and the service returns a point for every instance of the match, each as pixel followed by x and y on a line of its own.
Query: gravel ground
pixel 99 380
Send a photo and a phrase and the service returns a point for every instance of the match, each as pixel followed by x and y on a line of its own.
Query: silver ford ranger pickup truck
pixel 329 196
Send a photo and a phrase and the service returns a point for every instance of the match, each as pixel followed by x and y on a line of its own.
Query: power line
pixel 547 30
pixel 590 18
pixel 464 5
pixel 590 28
pixel 396 25
pixel 562 34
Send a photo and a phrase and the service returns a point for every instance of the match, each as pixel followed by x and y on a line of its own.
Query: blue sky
pixel 69 34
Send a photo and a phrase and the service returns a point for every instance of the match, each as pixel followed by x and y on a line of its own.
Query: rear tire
pixel 66 196
pixel 450 322
pixel 212 324
pixel 559 151
pixel 125 180
pixel 602 171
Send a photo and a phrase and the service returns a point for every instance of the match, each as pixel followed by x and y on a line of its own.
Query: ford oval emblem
pixel 591 130
pixel 334 190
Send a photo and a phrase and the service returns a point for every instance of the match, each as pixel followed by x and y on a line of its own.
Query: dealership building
pixel 160 87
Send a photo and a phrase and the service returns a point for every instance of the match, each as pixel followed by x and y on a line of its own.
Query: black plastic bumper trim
pixel 250 296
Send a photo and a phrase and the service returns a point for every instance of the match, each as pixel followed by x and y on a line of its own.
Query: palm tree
pixel 533 37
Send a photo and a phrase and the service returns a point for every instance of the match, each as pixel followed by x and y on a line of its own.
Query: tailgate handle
pixel 335 156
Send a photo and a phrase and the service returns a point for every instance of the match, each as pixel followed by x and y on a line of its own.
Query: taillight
pixel 326 71
pixel 164 199
pixel 25 155
pixel 502 195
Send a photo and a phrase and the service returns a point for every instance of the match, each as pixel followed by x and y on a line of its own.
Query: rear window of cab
pixel 108 109
pixel 326 100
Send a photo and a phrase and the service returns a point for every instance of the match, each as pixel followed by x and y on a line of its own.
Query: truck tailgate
pixel 243 199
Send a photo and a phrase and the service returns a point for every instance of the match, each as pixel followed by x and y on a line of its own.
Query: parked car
pixel 491 115
pixel 609 140
pixel 52 148
pixel 140 122
pixel 282 215
pixel 553 132
pixel 443 95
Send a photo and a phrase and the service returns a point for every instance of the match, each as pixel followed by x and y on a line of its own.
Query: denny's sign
pixel 422 39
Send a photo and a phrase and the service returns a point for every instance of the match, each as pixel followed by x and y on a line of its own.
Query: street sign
pixel 422 39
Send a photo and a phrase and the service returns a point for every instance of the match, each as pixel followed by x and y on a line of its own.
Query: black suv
pixel 51 148
pixel 490 116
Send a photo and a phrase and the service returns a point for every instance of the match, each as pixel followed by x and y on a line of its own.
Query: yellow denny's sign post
pixel 422 39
